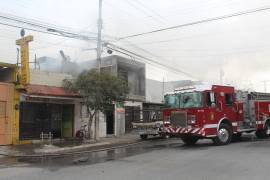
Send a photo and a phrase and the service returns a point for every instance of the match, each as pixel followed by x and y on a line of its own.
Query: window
pixel 210 99
pixel 172 100
pixel 191 100
pixel 229 99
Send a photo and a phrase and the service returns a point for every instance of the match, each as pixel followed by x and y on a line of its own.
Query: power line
pixel 51 33
pixel 199 22
pixel 41 31
pixel 44 28
pixel 31 29
pixel 131 3
pixel 36 23
pixel 138 58
pixel 130 53
pixel 151 10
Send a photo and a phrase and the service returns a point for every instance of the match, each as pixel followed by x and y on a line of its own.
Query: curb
pixel 74 152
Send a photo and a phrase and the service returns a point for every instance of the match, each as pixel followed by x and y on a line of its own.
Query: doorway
pixel 132 114
pixel 67 120
pixel 110 120
pixel 37 117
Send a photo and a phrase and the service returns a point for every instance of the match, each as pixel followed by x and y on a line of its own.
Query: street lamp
pixel 71 34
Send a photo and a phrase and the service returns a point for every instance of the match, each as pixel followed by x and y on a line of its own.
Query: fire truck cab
pixel 217 112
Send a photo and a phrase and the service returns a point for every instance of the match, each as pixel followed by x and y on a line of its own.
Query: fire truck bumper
pixel 201 132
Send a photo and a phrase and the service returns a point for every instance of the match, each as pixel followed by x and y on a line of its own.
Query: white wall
pixel 119 123
pixel 81 118
pixel 48 78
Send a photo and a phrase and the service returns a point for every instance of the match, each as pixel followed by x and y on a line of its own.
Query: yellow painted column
pixel 23 82
pixel 25 69
pixel 16 120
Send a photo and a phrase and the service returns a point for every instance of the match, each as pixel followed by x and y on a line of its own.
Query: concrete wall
pixel 119 122
pixel 134 70
pixel 48 78
pixel 81 118
pixel 7 113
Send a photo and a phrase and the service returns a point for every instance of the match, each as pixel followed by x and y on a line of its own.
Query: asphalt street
pixel 157 159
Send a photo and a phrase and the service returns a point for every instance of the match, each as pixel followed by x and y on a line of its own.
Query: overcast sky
pixel 239 46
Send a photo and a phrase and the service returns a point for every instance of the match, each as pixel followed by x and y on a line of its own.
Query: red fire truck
pixel 217 112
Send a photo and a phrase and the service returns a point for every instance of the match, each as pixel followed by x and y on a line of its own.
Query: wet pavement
pixel 151 159
pixel 67 145
pixel 56 162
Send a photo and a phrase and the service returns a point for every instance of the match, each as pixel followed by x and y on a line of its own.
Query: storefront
pixel 45 109
pixel 40 117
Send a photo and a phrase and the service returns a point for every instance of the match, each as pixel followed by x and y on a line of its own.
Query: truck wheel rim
pixel 223 135
pixel 267 128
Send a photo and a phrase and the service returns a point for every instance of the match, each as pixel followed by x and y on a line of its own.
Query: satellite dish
pixel 22 32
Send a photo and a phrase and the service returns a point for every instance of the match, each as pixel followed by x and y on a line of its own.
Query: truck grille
pixel 178 119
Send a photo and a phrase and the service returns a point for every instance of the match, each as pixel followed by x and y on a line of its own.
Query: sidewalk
pixel 67 146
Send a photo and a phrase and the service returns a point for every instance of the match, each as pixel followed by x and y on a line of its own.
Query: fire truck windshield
pixel 172 100
pixel 184 100
pixel 191 99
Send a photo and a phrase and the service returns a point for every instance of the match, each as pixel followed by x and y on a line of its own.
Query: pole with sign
pixel 25 69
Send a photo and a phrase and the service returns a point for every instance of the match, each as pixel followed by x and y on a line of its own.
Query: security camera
pixel 109 51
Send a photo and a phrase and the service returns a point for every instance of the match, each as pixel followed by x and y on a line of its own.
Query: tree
pixel 98 90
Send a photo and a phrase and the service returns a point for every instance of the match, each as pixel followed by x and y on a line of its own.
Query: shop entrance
pixel 110 119
pixel 36 118
pixel 132 114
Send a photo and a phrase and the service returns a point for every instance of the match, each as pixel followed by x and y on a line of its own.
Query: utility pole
pixel 99 49
pixel 163 87
pixel 265 85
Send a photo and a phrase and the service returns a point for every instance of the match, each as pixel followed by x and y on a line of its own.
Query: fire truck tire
pixel 264 133
pixel 190 140
pixel 224 135
pixel 144 136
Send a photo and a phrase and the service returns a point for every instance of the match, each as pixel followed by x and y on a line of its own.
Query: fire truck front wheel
pixel 224 135
pixel 190 140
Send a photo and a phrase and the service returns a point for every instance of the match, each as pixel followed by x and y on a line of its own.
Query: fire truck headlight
pixel 191 119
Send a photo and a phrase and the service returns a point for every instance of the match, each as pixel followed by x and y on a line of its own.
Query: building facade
pixel 119 118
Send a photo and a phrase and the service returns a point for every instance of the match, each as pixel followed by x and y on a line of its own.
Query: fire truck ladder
pixel 259 96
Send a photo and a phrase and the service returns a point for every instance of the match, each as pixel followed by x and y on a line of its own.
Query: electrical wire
pixel 199 22
pixel 160 18
pixel 36 24
pixel 130 53
pixel 45 32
